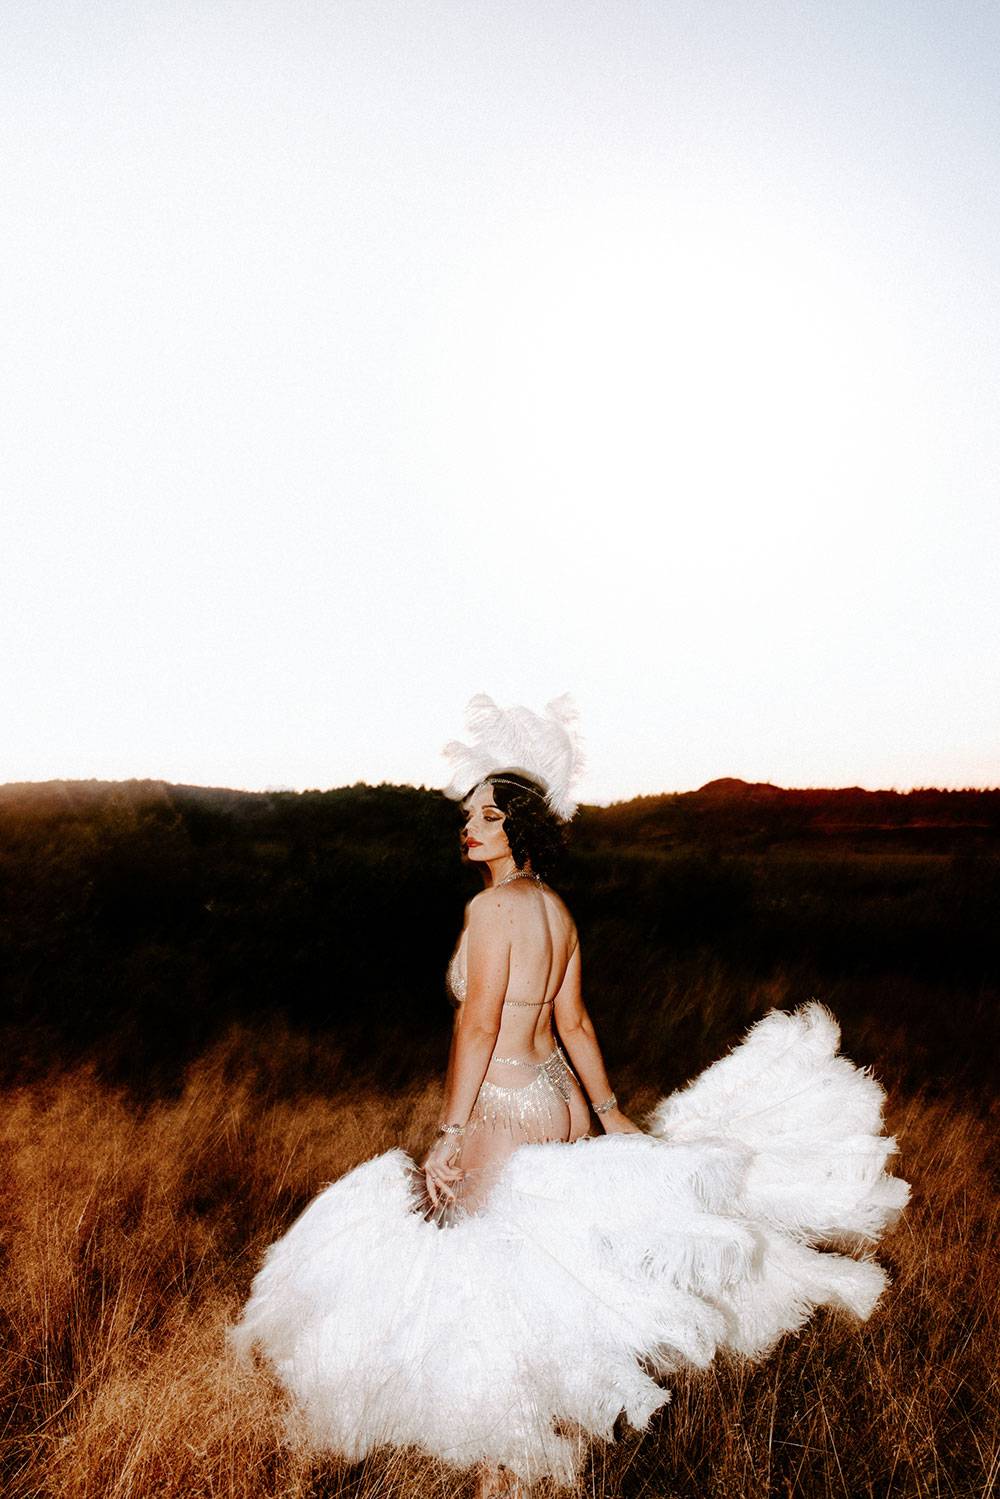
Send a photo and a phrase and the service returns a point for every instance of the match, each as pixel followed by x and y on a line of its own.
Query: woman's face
pixel 483 836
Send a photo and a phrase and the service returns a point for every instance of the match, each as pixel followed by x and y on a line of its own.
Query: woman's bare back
pixel 529 1092
pixel 543 940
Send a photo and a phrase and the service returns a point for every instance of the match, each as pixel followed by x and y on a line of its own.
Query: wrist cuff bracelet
pixel 607 1106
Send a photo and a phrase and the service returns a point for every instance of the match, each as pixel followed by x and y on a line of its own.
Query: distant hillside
pixel 730 810
pixel 74 796
pixel 723 810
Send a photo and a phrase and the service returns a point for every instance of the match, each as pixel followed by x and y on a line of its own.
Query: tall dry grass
pixel 132 1230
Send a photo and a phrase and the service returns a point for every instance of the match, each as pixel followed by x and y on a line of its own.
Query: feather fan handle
pixel 545 747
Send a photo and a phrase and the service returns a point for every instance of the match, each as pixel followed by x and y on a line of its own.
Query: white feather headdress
pixel 545 747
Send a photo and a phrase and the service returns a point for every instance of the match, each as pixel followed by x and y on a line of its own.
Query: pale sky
pixel 361 355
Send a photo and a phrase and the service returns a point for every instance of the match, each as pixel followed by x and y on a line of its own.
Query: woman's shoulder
pixel 555 903
pixel 489 914
pixel 490 899
pixel 517 895
pixel 520 898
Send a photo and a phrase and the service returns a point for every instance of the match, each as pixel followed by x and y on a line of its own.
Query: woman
pixel 516 968
pixel 547 1290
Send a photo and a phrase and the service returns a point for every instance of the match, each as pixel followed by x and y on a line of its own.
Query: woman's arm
pixel 576 1031
pixel 487 976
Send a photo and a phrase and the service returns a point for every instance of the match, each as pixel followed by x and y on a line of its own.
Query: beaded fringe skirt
pixel 527 1110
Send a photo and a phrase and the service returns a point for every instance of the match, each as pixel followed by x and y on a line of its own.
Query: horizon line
pixel 285 790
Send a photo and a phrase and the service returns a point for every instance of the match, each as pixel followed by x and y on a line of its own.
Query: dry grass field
pixel 203 1023
pixel 133 1228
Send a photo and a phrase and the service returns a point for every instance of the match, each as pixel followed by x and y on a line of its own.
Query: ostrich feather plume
pixel 544 746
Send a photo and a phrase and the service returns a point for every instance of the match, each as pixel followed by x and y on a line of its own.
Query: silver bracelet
pixel 451 1129
pixel 607 1106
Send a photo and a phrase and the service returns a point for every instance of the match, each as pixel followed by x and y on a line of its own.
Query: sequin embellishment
pixel 529 1108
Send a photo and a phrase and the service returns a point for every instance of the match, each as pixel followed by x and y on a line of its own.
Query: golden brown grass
pixel 132 1232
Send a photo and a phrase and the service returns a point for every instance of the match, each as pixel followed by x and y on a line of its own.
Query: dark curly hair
pixel 533 830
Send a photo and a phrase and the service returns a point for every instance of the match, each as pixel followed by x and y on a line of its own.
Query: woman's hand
pixel 617 1123
pixel 439 1171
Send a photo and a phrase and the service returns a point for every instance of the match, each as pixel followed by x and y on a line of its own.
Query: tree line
pixel 138 920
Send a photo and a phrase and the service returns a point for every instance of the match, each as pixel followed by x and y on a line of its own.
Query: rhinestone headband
pixel 503 781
